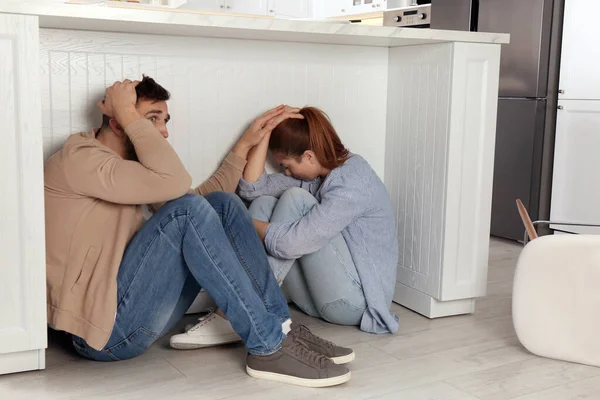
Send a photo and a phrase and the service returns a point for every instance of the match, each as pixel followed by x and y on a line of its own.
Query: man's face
pixel 157 112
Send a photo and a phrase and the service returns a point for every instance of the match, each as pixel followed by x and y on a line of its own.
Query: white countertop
pixel 115 19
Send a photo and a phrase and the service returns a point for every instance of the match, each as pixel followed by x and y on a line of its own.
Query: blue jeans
pixel 191 242
pixel 324 284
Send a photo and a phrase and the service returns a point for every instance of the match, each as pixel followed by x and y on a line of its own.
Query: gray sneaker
pixel 337 354
pixel 297 364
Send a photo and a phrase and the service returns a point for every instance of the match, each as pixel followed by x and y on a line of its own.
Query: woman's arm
pixel 273 185
pixel 341 203
pixel 256 160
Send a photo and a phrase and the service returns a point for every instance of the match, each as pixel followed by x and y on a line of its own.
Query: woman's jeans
pixel 191 242
pixel 324 284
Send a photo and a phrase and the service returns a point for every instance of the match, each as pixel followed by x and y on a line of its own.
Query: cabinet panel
pixel 204 5
pixel 575 187
pixel 253 7
pixel 289 9
pixel 23 271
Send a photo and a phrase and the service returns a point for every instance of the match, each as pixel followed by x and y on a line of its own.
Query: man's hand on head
pixel 120 102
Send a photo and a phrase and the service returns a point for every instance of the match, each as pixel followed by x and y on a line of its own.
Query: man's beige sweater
pixel 94 202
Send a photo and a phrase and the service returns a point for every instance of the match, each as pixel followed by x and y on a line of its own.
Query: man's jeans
pixel 189 243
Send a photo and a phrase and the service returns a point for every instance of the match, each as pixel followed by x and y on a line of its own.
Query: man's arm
pixel 98 172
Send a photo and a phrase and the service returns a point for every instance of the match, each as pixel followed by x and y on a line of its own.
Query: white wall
pixel 218 86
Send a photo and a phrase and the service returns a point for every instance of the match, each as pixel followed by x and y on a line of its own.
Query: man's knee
pixel 218 199
pixel 190 202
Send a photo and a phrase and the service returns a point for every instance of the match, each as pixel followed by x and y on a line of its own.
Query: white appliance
pixel 575 186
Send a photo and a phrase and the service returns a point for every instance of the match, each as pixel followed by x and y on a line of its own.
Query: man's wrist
pixel 241 149
pixel 126 116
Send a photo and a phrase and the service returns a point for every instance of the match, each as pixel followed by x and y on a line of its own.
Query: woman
pixel 327 223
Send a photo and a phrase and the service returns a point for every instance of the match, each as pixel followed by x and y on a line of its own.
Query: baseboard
pixel 22 361
pixel 429 306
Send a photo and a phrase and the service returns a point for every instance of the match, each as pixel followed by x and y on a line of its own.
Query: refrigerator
pixel 526 100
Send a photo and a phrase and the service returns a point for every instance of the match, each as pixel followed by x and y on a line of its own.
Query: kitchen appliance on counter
pixel 527 103
pixel 416 16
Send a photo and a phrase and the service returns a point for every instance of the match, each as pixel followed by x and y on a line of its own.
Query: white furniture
pixel 301 9
pixel 23 270
pixel 574 191
pixel 556 298
pixel 350 9
pixel 419 105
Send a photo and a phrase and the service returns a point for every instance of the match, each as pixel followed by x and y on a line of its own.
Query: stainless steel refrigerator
pixel 527 99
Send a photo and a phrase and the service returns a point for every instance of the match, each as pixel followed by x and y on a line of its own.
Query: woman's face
pixel 305 167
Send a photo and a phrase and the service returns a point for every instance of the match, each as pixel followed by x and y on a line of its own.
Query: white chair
pixel 556 295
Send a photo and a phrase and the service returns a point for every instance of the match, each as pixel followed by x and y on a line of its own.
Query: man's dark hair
pixel 147 89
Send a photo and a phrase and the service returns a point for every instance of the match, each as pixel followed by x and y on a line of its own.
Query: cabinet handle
pixel 560 91
pixel 228 6
pixel 343 10
pixel 560 107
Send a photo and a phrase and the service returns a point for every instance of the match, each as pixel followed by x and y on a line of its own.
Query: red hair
pixel 315 132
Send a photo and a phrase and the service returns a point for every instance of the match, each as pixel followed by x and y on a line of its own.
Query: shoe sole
pixel 344 359
pixel 200 345
pixel 294 380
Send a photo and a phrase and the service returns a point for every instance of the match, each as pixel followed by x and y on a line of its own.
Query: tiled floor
pixel 471 357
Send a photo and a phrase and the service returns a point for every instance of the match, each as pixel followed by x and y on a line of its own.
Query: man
pixel 117 285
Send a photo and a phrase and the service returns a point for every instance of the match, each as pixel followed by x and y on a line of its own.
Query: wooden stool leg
pixel 526 220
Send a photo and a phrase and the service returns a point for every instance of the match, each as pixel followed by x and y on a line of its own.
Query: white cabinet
pixel 355 7
pixel 439 171
pixel 250 7
pixel 204 5
pixel 290 9
pixel 575 187
pixel 580 58
pixel 331 8
pixel 22 245
pixel 344 8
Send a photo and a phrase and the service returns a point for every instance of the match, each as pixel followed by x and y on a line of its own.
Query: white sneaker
pixel 211 330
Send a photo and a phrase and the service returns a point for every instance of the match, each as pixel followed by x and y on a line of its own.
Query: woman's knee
pixel 262 208
pixel 297 201
pixel 299 195
pixel 343 312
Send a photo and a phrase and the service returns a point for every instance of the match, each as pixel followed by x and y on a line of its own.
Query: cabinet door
pixel 332 8
pixel 355 7
pixel 22 245
pixel 580 58
pixel 251 7
pixel 289 9
pixel 575 184
pixel 204 5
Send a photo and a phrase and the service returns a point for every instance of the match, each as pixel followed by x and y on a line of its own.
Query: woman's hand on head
pixel 262 126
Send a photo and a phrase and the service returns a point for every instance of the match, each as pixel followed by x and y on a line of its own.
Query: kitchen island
pixel 419 105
